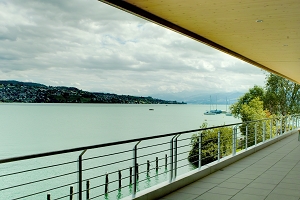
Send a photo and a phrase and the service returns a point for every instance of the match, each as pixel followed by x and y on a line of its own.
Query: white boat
pixel 209 113
pixel 228 114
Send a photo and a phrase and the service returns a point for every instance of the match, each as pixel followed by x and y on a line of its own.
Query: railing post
pixel 166 161
pixel 80 175
pixel 87 190
pixel 255 134
pixel 276 127
pixel 71 192
pixel 175 162
pixel 281 125
pixel 246 143
pixel 135 176
pixel 271 126
pixel 234 140
pixel 286 124
pixel 219 146
pixel 171 158
pixel 200 150
pixel 130 175
pixel 148 166
pixel 264 131
pixel 120 179
pixel 106 183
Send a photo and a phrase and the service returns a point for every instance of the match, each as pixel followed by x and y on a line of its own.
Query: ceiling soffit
pixel 233 26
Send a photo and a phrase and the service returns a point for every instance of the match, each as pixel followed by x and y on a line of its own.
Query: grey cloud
pixel 98 47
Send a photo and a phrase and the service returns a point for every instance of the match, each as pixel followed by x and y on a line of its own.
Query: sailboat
pixel 216 111
pixel 210 112
pixel 227 113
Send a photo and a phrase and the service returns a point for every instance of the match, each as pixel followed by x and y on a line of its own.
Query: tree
pixel 255 92
pixel 209 145
pixel 251 107
pixel 254 111
pixel 282 96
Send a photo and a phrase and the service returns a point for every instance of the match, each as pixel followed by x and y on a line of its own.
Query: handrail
pixel 51 153
pixel 110 166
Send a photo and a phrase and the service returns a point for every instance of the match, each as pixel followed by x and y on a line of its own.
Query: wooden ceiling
pixel 265 33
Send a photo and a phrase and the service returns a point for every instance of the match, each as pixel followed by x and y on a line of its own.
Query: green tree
pixel 254 111
pixel 255 92
pixel 282 96
pixel 209 145
pixel 252 107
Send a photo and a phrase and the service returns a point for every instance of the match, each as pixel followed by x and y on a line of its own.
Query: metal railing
pixel 119 169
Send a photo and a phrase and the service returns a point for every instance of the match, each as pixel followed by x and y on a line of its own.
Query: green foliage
pixel 209 145
pixel 252 111
pixel 255 92
pixel 282 96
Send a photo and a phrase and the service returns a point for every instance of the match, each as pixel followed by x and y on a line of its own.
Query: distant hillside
pixel 12 82
pixel 204 98
pixel 216 98
pixel 27 92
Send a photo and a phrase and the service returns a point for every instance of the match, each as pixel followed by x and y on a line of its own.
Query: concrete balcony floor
pixel 271 173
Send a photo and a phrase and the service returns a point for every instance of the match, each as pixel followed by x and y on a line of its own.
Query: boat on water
pixel 209 113
pixel 216 111
pixel 212 112
pixel 228 114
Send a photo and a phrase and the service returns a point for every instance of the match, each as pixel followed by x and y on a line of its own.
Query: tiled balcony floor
pixel 271 173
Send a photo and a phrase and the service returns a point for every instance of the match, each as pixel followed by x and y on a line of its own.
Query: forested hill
pixel 27 92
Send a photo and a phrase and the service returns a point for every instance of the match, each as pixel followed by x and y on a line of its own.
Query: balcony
pixel 236 160
pixel 270 173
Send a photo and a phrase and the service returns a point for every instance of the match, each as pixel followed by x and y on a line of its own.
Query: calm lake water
pixel 36 128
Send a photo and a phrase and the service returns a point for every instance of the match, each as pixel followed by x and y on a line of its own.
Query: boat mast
pixel 210 103
pixel 226 104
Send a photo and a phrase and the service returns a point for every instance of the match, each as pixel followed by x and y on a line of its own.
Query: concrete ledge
pixel 167 187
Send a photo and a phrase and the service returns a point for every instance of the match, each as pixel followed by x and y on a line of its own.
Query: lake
pixel 36 128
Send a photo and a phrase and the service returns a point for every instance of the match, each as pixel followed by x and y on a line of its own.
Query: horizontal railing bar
pixel 13 159
pixel 96 196
pixel 183 146
pixel 111 154
pixel 210 143
pixel 153 176
pixel 179 140
pixel 153 145
pixel 26 157
pixel 153 153
pixel 182 166
pixel 68 195
pixel 184 152
pixel 92 188
pixel 29 170
pixel 107 164
pixel 45 179
pixel 44 191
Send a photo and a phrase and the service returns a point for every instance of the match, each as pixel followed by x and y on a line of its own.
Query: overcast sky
pixel 95 47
